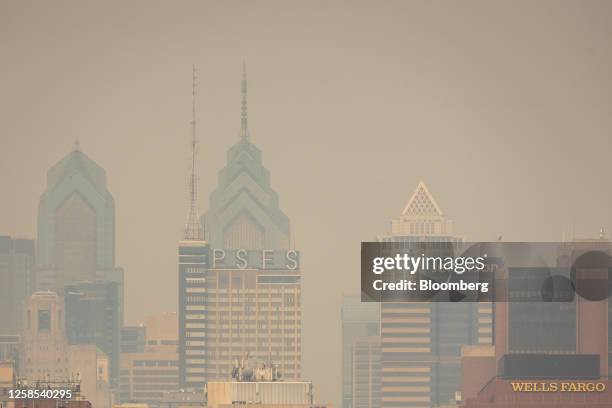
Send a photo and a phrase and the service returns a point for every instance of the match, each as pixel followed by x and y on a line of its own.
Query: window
pixel 44 320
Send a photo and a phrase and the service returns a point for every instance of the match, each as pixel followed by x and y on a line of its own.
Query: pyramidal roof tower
pixel 76 219
pixel 244 210
pixel 421 216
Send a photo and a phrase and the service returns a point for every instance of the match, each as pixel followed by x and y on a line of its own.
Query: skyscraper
pixel 92 317
pixel 421 342
pixel 359 320
pixel 17 281
pixel 248 299
pixel 192 274
pixel 76 226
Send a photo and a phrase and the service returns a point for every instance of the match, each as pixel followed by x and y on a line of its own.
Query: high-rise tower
pixel 193 267
pixel 421 342
pixel 247 302
pixel 76 227
pixel 254 284
pixel 17 280
pixel 76 222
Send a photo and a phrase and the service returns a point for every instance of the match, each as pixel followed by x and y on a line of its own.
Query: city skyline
pixel 421 93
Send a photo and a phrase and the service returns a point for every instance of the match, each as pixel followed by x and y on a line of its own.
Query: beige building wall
pixel 7 382
pixel 248 317
pixel 43 349
pixel 260 393
pixel 162 330
pixel 90 364
pixel 148 376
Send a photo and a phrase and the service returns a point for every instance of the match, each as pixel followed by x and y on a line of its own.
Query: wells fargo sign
pixel 576 386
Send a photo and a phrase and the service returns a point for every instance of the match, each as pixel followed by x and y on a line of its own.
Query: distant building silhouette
pixel 360 320
pixel 17 281
pixel 76 226
pixel 92 317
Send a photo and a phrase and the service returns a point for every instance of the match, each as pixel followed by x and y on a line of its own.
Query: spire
pixel 244 130
pixel 76 145
pixel 193 231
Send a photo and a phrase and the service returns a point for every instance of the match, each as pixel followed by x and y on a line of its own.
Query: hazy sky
pixel 504 109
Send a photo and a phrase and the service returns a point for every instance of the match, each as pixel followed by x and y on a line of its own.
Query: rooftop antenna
pixel 193 231
pixel 244 130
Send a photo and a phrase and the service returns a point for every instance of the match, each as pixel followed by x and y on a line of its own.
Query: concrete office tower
pixel 245 297
pixel 147 377
pixel 76 226
pixel 92 317
pixel 359 320
pixel 43 350
pixel 192 273
pixel 17 281
pixel 254 282
pixel 46 356
pixel 421 342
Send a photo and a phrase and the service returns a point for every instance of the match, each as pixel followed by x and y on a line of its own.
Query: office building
pixel 46 356
pixel 17 280
pixel 240 289
pixel 421 342
pixel 147 377
pixel 359 320
pixel 366 372
pixel 76 227
pixel 132 339
pixel 43 352
pixel 92 317
pixel 546 354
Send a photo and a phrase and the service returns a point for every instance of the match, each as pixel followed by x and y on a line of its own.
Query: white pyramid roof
pixel 422 203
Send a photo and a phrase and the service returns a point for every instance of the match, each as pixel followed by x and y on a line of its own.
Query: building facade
pixel 150 375
pixel 240 289
pixel 359 320
pixel 366 370
pixel 132 339
pixel 421 342
pixel 17 280
pixel 92 317
pixel 557 357
pixel 76 226
pixel 43 350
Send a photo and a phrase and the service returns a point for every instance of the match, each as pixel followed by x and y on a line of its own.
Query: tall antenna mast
pixel 193 231
pixel 244 130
